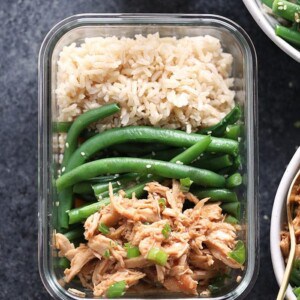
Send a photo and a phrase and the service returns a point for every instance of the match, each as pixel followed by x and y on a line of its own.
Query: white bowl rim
pixel 277 218
pixel 257 13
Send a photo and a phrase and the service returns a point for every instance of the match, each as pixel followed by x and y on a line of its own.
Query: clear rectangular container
pixel 74 29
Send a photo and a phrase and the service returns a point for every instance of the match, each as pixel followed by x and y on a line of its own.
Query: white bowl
pixel 279 217
pixel 267 24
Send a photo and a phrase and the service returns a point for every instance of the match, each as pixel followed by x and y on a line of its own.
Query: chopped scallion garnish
pixel 158 256
pixel 132 251
pixel 103 228
pixel 107 253
pixel 166 231
pixel 116 290
pixel 238 253
pixel 185 184
pixel 162 203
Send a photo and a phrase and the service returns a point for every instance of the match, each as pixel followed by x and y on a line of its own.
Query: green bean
pixel 59 127
pixel 296 291
pixel 287 10
pixel 234 180
pixel 77 215
pixel 98 185
pixel 63 263
pixel 65 197
pixel 235 166
pixel 165 155
pixel 145 166
pixel 233 132
pixel 65 200
pixel 103 187
pixel 138 148
pixel 218 129
pixel 288 34
pixel 223 195
pixel 81 123
pixel 74 234
pixel 88 133
pixel 215 163
pixel 231 220
pixel 147 135
pixel 84 187
pixel 192 152
pixel 87 197
pixel 295 273
pixel 268 3
pixel 233 208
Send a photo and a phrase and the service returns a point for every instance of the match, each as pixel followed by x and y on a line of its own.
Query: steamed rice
pixel 167 82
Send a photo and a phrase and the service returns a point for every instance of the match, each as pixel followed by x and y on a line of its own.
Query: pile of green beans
pixel 290 12
pixel 210 159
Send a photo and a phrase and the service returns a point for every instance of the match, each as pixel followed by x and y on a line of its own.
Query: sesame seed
pixel 209 132
pixel 148 175
pixel 148 166
pixel 82 153
pixel 153 153
pixel 118 183
pixel 238 279
pixel 285 7
pixel 57 203
pixel 239 139
pixel 280 3
pixel 67 145
pixel 227 129
pixel 63 169
pixel 280 7
pixel 179 162
pixel 100 197
pixel 266 217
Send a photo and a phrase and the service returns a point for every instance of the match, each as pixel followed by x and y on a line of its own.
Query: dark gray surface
pixel 24 24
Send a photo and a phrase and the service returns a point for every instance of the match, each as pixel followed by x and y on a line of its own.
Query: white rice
pixel 167 82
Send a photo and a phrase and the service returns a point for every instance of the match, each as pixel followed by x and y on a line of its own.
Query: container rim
pixel 252 123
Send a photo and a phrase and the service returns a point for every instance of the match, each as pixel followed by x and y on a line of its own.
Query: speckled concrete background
pixel 24 24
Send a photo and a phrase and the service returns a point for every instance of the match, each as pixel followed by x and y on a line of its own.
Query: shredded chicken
pixel 196 242
pixel 64 245
pixel 130 277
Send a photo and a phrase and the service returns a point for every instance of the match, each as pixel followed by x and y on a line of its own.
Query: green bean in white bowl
pixel 278 234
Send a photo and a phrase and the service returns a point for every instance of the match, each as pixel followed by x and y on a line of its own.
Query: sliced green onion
pixel 116 290
pixel 162 203
pixel 232 220
pixel 107 253
pixel 166 231
pixel 158 256
pixel 132 251
pixel 238 253
pixel 186 184
pixel 103 228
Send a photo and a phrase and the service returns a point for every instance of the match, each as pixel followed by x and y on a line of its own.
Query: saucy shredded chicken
pixel 178 249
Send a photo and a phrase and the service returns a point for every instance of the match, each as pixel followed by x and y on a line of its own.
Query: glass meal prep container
pixel 76 29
